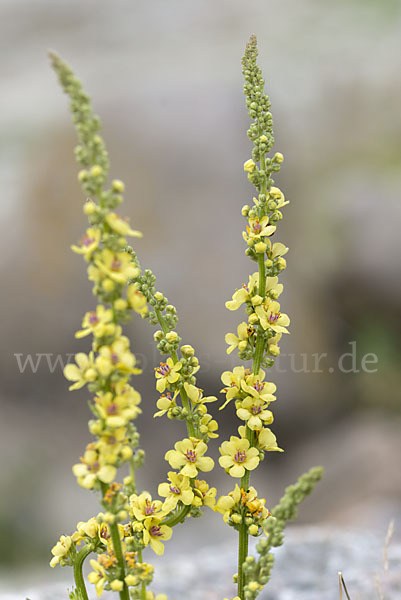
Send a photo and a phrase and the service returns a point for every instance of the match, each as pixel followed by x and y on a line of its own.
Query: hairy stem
pixel 78 575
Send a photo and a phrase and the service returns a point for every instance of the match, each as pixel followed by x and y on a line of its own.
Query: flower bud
pixel 236 518
pixel 253 586
pixel 187 350
pixel 108 285
pixel 253 319
pixel 120 304
pixel 256 300
pixel 96 171
pixel 282 263
pixel 159 296
pixel 260 247
pixel 90 375
pixel 171 336
pixel 253 529
pixel 274 350
pixel 126 453
pixel 109 518
pixel 249 166
pixel 117 186
pixel 89 207
pixel 245 210
pixel 83 175
pixel 116 585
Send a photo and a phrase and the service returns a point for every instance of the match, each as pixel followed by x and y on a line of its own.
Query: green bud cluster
pixel 257 572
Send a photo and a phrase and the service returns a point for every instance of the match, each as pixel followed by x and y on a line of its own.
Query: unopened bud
pixel 96 171
pixel 187 351
pixel 89 207
pixel 117 186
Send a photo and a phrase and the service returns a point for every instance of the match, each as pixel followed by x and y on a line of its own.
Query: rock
pixel 306 569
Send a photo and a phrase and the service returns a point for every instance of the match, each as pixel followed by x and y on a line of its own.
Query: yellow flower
pixel 155 534
pixel 89 243
pixel 61 549
pixel 224 506
pixel 257 388
pixel 188 456
pixel 97 576
pixel 258 228
pixel 179 489
pixel 267 441
pixel 111 446
pixel 203 495
pixel 276 250
pixel 240 342
pixel 165 403
pixel 270 317
pixel 118 266
pixel 236 456
pixel 208 426
pixel 278 195
pixel 136 299
pixel 167 373
pixel 142 507
pixel 196 396
pixel 91 468
pixel 119 409
pixel 232 380
pixel 244 293
pixel 86 529
pixel 254 412
pixel 115 357
pixel 104 534
pixel 249 291
pixel 83 372
pixel 97 322
pixel 121 226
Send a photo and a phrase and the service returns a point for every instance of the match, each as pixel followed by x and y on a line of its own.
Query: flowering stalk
pixel 256 340
pixel 121 287
pixel 131 522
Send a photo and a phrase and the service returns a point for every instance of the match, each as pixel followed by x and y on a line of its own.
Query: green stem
pixel 185 400
pixel 78 575
pixel 132 474
pixel 174 519
pixel 115 538
pixel 257 360
pixel 242 554
pixel 143 586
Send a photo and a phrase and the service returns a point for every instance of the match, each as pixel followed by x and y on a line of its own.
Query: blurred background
pixel 165 77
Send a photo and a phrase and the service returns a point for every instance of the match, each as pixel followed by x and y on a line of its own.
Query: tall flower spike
pixel 258 337
pixel 121 287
